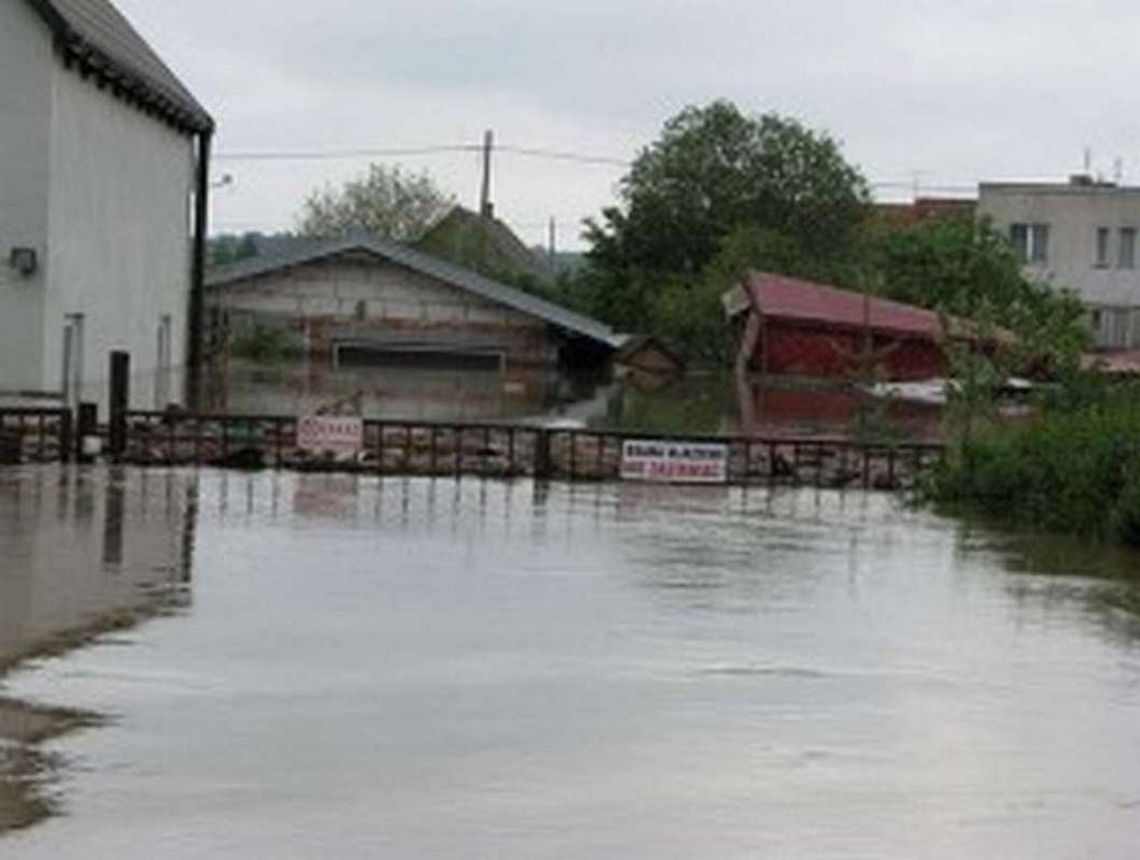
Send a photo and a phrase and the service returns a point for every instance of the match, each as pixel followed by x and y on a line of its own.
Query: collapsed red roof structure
pixel 802 328
pixel 778 296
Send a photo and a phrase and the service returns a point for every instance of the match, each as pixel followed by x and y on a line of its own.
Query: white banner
pixel 674 462
pixel 330 433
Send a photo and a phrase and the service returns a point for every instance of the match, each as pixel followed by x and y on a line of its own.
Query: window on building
pixel 1126 256
pixel 1039 243
pixel 1030 242
pixel 1118 328
pixel 1019 236
pixel 1102 241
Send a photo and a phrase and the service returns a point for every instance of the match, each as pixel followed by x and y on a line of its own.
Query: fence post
pixel 87 426
pixel 543 465
pixel 120 401
pixel 66 435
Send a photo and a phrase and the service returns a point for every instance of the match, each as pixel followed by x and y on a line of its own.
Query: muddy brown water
pixel 214 664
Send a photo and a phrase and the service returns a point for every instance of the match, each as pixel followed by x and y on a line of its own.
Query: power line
pixel 336 154
pixel 525 151
pixel 557 155
pixel 339 154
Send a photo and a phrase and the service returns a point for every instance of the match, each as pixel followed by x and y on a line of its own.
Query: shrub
pixel 1072 472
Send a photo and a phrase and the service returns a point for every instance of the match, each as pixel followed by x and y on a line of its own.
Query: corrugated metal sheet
pixel 96 25
pixel 782 297
pixel 462 279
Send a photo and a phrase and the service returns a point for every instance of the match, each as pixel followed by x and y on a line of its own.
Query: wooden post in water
pixel 543 464
pixel 120 402
pixel 66 435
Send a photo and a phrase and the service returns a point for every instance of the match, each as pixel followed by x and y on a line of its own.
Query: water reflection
pixel 713 403
pixel 591 670
pixel 54 522
pixel 1054 571
pixel 401 392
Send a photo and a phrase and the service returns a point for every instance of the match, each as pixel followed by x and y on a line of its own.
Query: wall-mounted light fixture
pixel 23 260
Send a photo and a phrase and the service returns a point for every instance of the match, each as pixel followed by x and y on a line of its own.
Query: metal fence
pixel 504 450
pixel 36 434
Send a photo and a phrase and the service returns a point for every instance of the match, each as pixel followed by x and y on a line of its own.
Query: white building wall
pixel 26 63
pixel 1074 213
pixel 119 246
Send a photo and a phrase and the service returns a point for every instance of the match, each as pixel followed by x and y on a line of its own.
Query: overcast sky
pixel 951 92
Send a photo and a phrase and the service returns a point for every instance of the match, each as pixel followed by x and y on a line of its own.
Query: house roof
pixel 470 239
pixel 96 37
pixel 791 298
pixel 311 251
pixel 783 297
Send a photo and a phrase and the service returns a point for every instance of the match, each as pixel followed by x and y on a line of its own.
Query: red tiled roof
pixel 782 297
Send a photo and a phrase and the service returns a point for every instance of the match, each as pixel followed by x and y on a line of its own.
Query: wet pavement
pixel 219 664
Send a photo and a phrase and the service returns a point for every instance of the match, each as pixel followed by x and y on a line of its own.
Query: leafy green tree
pixel 688 311
pixel 965 269
pixel 714 169
pixel 385 201
pixel 717 185
pixel 229 248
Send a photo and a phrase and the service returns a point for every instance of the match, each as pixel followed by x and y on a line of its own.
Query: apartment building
pixel 1082 235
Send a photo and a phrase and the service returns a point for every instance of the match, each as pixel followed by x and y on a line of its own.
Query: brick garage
pixel 369 301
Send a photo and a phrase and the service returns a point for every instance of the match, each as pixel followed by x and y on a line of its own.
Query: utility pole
pixel 553 243
pixel 486 207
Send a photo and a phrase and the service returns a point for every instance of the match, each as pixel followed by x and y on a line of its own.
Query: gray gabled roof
pixel 308 251
pixel 94 36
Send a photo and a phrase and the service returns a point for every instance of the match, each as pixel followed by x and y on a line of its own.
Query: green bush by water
pixel 1068 472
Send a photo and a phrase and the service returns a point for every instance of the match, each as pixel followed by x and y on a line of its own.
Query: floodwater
pixel 298 666
pixel 697 404
pixel 403 392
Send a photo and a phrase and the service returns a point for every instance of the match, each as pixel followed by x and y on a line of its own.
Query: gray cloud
pixel 956 91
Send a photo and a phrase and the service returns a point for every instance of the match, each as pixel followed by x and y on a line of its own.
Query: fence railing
pixel 486 449
pixel 37 434
pixel 507 450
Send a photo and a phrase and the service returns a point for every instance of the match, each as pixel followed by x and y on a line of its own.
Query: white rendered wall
pixel 119 245
pixel 26 63
pixel 1074 213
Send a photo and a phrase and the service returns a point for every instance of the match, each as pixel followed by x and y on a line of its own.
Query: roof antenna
pixel 1088 160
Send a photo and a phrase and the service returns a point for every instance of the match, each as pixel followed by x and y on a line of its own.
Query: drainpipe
pixel 195 346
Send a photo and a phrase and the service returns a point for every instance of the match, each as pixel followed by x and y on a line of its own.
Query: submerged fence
pixel 390 447
pixel 36 434
pixel 505 450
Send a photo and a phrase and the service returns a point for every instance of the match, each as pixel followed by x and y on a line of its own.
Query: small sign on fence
pixel 330 433
pixel 674 462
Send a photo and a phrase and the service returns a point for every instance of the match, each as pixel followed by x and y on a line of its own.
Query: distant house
pixel 1082 235
pixel 925 210
pixel 485 245
pixel 792 327
pixel 374 302
pixel 648 362
pixel 101 151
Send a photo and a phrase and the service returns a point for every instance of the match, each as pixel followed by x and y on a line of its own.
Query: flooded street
pixel 219 664
pixel 712 403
